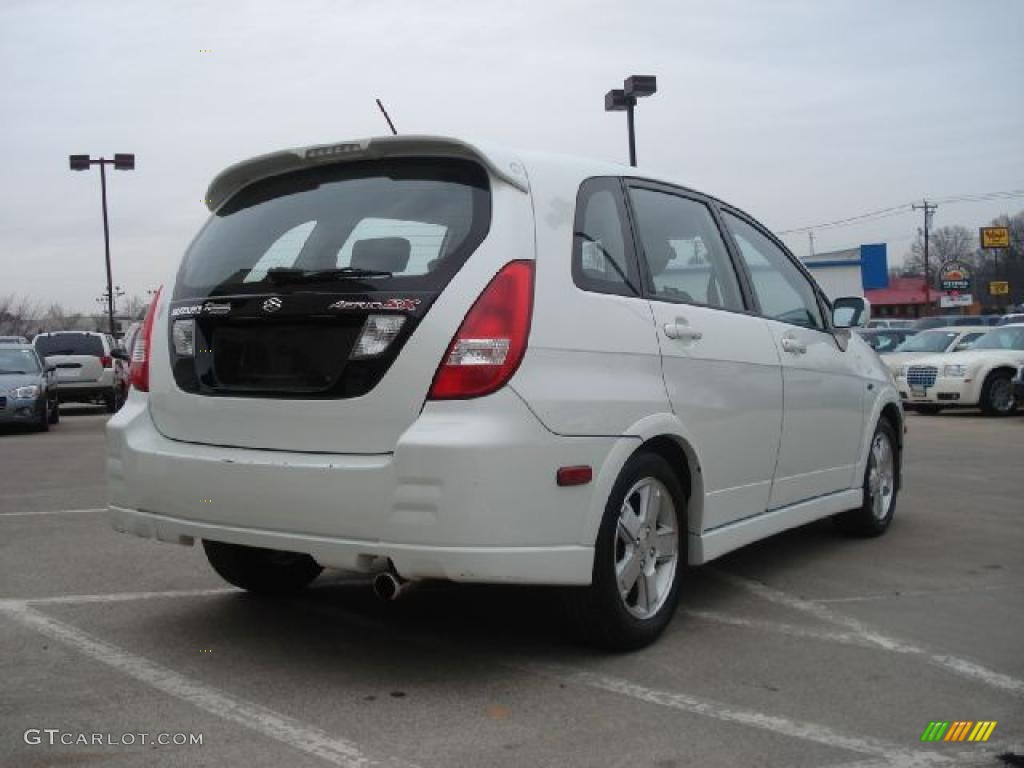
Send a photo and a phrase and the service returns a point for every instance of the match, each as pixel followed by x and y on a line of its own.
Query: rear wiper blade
pixel 287 274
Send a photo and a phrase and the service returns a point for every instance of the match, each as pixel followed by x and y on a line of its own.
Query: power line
pixel 896 210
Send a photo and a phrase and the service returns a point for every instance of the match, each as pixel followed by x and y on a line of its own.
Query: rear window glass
pixel 69 344
pixel 380 225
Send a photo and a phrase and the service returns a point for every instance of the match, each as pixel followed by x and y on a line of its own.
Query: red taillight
pixel 139 368
pixel 107 361
pixel 490 343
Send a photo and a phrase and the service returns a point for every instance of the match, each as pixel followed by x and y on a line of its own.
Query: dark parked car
pixel 28 394
pixel 884 340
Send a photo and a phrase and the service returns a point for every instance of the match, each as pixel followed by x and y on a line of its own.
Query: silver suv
pixel 90 367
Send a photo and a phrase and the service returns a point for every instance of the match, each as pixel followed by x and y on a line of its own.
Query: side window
pixel 602 259
pixel 782 290
pixel 683 250
pixel 966 340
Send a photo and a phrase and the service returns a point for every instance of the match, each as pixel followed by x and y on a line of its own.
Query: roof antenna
pixel 386 117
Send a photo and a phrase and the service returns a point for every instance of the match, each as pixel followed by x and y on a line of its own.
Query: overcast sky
pixel 799 112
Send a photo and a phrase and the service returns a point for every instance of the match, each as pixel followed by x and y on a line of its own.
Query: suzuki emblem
pixel 272 305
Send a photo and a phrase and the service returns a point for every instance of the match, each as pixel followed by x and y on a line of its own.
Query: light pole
pixel 624 99
pixel 121 162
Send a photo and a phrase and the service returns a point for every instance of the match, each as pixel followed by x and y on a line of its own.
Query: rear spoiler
pixel 232 179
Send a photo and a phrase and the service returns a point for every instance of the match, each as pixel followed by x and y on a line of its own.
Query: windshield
pixel 18 361
pixel 928 341
pixel 404 224
pixel 1002 338
pixel 69 344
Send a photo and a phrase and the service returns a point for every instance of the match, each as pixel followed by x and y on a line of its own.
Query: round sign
pixel 955 277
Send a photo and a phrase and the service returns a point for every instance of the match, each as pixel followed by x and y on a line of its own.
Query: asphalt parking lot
pixel 808 649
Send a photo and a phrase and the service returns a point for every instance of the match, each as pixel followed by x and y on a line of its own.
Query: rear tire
pixel 265 571
pixel 997 396
pixel 638 559
pixel 881 484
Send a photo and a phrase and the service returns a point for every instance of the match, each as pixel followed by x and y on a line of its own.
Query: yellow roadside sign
pixel 995 237
pixel 999 288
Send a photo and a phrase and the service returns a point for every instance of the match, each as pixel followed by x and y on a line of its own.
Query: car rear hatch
pixel 297 318
pixel 78 357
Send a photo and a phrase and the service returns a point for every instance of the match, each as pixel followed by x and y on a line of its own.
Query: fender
pixel 648 428
pixel 887 395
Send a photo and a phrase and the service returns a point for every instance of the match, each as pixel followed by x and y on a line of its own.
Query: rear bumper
pixel 469 495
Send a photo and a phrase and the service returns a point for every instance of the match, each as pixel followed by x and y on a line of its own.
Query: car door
pixel 824 394
pixel 719 362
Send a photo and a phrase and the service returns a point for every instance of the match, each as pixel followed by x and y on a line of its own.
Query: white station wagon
pixel 417 358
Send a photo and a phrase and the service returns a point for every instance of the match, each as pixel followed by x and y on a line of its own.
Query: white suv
pixel 90 366
pixel 422 359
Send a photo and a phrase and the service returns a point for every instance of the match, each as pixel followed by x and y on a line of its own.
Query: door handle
pixel 682 331
pixel 793 346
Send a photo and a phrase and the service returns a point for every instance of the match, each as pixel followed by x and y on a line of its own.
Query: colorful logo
pixel 958 730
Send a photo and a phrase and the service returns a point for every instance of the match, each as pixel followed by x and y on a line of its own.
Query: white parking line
pixel 844 638
pixel 53 512
pixel 255 717
pixel 121 597
pixel 893 755
pixel 955 664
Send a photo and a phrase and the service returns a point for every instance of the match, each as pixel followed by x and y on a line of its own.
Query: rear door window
pixel 683 250
pixel 403 224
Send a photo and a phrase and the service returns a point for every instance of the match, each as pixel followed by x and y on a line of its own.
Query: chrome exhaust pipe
pixel 389 586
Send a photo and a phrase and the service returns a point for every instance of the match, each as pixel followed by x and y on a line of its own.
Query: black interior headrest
pixel 386 254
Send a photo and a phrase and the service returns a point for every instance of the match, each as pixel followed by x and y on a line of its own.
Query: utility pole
pixel 810 236
pixel 929 210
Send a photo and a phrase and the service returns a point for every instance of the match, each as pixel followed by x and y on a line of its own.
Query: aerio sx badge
pixel 402 305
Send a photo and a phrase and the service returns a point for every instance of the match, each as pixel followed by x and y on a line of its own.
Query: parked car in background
pixel 1016 317
pixel 949 321
pixel 13 340
pixel 420 359
pixel 90 367
pixel 931 342
pixel 28 394
pixel 981 376
pixel 884 340
pixel 890 323
pixel 1018 385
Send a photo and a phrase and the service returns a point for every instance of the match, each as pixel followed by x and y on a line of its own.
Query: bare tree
pixel 18 315
pixel 59 319
pixel 135 307
pixel 944 244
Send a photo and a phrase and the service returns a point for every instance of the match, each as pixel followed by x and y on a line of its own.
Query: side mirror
pixel 850 312
pixel 49 367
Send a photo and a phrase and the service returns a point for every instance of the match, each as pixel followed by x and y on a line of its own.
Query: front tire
pixel 638 558
pixel 265 571
pixel 55 412
pixel 997 395
pixel 881 484
pixel 43 425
